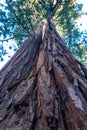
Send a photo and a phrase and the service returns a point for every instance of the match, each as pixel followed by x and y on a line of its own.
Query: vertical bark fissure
pixel 61 118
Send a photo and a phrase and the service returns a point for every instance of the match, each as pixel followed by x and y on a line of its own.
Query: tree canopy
pixel 18 19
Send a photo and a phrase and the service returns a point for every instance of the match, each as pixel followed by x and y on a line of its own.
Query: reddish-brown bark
pixel 43 87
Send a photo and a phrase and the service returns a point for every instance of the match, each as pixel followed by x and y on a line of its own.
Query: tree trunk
pixel 43 87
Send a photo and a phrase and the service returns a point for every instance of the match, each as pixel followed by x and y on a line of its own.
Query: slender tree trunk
pixel 43 87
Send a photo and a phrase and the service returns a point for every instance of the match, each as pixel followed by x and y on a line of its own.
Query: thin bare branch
pixel 13 38
pixel 58 2
pixel 19 22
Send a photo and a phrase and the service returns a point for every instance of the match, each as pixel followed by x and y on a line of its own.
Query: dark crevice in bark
pixel 34 121
pixel 82 90
pixel 4 117
pixel 64 120
pixel 85 71
pixel 60 123
pixel 13 88
pixel 33 127
pixel 61 120
pixel 52 123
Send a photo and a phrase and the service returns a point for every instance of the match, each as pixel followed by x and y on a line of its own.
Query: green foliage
pixel 18 19
pixel 67 16
pixel 66 20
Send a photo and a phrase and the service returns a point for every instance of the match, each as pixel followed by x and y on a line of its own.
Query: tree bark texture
pixel 43 87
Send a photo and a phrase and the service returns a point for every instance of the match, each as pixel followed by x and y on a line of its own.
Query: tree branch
pixel 19 22
pixel 13 38
pixel 50 8
pixel 56 4
pixel 30 24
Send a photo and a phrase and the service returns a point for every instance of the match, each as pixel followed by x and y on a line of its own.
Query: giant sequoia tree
pixel 43 86
pixel 18 18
